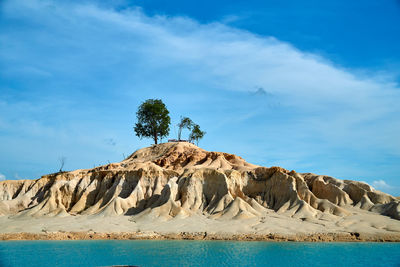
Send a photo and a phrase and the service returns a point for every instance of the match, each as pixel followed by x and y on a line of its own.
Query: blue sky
pixel 307 85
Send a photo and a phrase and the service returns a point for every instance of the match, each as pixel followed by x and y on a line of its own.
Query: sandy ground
pixel 360 226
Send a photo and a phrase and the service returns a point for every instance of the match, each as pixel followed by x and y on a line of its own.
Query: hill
pixel 182 182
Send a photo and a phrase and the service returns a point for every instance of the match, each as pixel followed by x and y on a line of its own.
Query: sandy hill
pixel 182 181
pixel 179 179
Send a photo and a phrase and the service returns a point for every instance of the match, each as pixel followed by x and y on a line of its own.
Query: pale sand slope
pixel 269 222
pixel 178 187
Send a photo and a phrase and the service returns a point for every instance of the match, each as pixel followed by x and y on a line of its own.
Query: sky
pixel 311 86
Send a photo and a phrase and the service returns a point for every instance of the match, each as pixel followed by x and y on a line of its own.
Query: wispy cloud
pixel 381 185
pixel 2 177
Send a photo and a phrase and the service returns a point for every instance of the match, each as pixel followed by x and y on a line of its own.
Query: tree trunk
pixel 155 138
pixel 179 133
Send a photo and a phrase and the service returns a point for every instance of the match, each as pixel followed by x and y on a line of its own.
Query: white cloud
pixel 2 177
pixel 338 104
pixel 381 184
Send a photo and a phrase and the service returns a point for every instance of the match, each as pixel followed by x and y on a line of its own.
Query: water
pixel 196 253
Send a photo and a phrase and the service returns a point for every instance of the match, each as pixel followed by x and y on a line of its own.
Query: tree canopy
pixel 153 120
pixel 196 133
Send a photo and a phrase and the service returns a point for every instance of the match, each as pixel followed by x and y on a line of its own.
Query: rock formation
pixel 180 180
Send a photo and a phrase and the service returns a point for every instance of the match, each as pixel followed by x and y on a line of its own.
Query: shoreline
pixel 316 237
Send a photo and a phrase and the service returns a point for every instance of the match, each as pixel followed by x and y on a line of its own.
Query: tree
pixel 185 123
pixel 196 134
pixel 153 120
pixel 62 163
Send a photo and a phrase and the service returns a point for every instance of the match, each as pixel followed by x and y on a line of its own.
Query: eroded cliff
pixel 180 180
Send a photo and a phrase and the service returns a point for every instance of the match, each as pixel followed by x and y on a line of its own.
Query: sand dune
pixel 176 187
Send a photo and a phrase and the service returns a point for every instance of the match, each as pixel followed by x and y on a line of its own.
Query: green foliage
pixel 153 120
pixel 185 123
pixel 196 133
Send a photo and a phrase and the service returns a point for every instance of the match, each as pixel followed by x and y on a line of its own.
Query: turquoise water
pixel 196 253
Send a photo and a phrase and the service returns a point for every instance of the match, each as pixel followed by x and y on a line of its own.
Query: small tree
pixel 185 123
pixel 62 163
pixel 153 120
pixel 196 134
